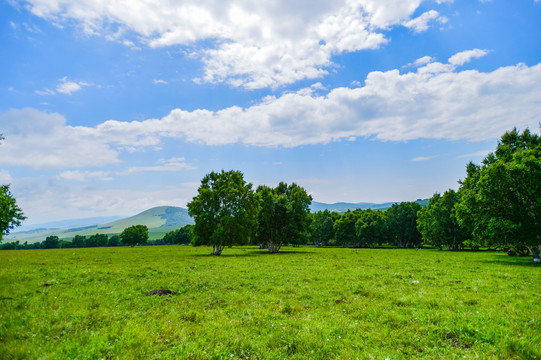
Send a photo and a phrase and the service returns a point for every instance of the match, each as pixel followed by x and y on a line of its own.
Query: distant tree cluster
pixel 78 241
pixel 395 226
pixel 182 236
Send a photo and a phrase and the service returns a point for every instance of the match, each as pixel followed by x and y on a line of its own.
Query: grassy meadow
pixel 302 303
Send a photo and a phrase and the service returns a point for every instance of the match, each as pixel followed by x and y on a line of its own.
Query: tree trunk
pixel 217 249
pixel 535 250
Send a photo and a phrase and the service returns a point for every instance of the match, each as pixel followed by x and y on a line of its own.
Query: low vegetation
pixel 177 302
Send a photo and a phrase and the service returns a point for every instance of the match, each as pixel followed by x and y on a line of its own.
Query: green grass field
pixel 302 303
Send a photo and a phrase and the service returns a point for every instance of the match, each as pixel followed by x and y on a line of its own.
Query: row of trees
pixel 131 236
pixel 498 204
pixel 228 211
pixel 396 226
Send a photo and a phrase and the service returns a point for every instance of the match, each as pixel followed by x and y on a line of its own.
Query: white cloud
pixel 421 158
pixel 174 164
pixel 436 101
pixel 421 61
pixel 478 154
pixel 45 92
pixel 252 44
pixel 43 140
pixel 159 81
pixel 64 87
pixel 465 56
pixel 77 175
pixel 54 200
pixel 5 177
pixel 420 24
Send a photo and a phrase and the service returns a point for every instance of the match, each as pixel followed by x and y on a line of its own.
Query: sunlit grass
pixel 303 303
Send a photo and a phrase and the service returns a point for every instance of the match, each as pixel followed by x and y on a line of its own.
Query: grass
pixel 303 303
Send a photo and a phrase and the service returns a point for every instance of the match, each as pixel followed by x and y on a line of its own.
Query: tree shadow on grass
pixel 253 253
pixel 513 261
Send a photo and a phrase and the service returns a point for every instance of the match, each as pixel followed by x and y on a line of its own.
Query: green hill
pixel 159 221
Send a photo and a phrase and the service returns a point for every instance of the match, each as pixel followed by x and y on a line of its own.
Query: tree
pixel 344 229
pixel 133 235
pixel 78 241
pixel 97 240
pixel 225 211
pixel 322 227
pixel 179 236
pixel 283 216
pixel 114 241
pixel 51 242
pixel 10 213
pixel 402 220
pixel 371 228
pixel 502 197
pixel 438 224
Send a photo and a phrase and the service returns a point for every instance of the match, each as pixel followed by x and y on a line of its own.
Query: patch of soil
pixel 161 292
pixel 338 301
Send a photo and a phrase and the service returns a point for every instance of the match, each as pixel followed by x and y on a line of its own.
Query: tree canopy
pixel 133 235
pixel 501 198
pixel 402 219
pixel 437 222
pixel 11 214
pixel 283 216
pixel 225 211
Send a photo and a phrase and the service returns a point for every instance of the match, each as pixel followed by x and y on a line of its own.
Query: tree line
pixel 497 205
pixel 131 236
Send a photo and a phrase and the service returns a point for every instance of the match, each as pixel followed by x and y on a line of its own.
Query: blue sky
pixel 110 108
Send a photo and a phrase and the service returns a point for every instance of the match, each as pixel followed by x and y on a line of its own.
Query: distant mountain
pixel 67 224
pixel 343 207
pixel 159 221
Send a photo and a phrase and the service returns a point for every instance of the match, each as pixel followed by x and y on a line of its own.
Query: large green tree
pixel 133 235
pixel 438 224
pixel 371 228
pixel 502 197
pixel 283 216
pixel 344 229
pixel 225 211
pixel 11 214
pixel 402 220
pixel 322 227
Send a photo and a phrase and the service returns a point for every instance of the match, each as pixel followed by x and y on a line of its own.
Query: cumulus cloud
pixel 466 56
pixel 64 86
pixel 421 61
pixel 248 44
pixel 43 140
pixel 434 101
pixel 420 24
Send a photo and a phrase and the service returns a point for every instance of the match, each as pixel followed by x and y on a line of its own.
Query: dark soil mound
pixel 161 292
